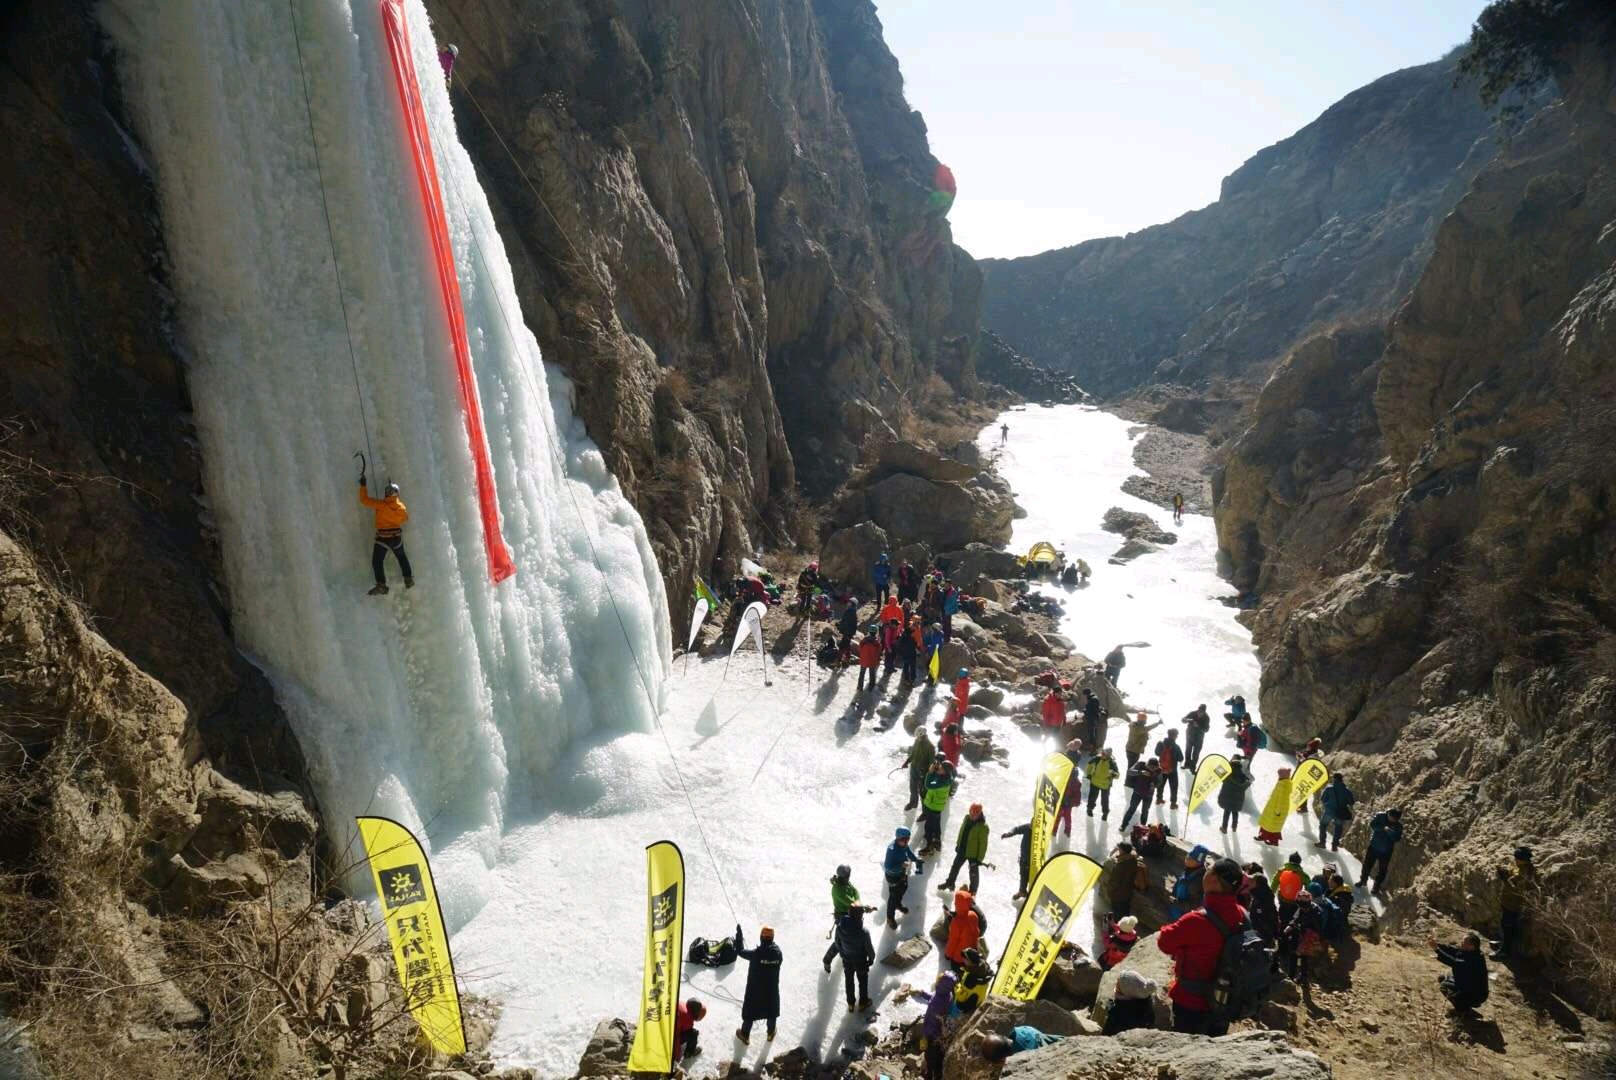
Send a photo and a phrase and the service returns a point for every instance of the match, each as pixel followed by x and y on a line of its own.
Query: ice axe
pixel 363 469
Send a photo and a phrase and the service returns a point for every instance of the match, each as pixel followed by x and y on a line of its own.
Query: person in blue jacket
pixel 896 866
pixel 951 606
pixel 1385 830
pixel 1335 808
pixel 882 575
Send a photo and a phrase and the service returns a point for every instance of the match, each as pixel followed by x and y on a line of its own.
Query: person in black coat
pixel 1232 794
pixel 1260 903
pixel 1025 832
pixel 1134 1005
pixel 857 951
pixel 1465 986
pixel 762 998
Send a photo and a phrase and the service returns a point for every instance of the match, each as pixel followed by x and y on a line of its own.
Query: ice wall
pixel 443 705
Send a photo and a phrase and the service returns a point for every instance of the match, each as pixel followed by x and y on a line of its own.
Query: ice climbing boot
pixel 377 590
pixel 409 583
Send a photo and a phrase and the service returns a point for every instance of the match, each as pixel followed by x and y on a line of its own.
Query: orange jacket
pixel 964 930
pixel 962 692
pixel 390 512
pixel 1054 710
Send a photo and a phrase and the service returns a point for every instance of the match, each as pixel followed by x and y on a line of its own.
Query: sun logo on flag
pixel 401 885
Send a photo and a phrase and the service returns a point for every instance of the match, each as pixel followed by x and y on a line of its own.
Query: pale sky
pixel 1065 120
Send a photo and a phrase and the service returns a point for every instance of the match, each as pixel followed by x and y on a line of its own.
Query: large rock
pixel 991 697
pixel 1130 550
pixel 1074 979
pixel 941 514
pixel 848 555
pixel 900 456
pixel 1136 526
pixel 909 952
pixel 980 560
pixel 1148 960
pixel 608 1049
pixel 955 654
pixel 1168 1055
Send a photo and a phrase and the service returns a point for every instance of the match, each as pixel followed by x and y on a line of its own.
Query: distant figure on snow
pixel 391 515
pixel 1178 508
pixel 1004 434
pixel 1115 661
pixel 447 57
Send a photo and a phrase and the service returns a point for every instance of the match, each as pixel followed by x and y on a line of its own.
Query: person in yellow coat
pixel 1275 810
pixel 391 515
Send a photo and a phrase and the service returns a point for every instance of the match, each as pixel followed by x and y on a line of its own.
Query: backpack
pixel 1150 839
pixel 1244 974
pixel 1259 737
pixel 1332 920
pixel 716 953
pixel 1288 883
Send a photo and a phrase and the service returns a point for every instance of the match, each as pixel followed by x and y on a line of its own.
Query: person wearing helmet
pixel 881 574
pixel 807 583
pixel 896 868
pixel 843 895
pixel 447 57
pixel 390 514
pixel 962 691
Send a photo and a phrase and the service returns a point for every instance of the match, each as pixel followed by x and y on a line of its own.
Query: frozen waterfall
pixel 438 706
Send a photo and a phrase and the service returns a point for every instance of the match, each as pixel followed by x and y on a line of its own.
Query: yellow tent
pixel 1042 555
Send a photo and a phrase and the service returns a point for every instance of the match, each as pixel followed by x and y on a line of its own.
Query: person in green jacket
pixel 919 759
pixel 939 787
pixel 1102 773
pixel 971 847
pixel 1138 734
pixel 843 895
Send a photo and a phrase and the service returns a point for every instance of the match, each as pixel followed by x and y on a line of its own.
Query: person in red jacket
pixel 962 690
pixel 1195 943
pixel 684 1029
pixel 949 744
pixel 869 656
pixel 1054 712
pixel 964 929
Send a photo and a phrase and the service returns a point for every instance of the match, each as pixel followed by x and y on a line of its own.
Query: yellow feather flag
pixel 1210 774
pixel 1046 797
pixel 1040 930
pixel 1309 779
pixel 936 665
pixel 415 927
pixel 664 952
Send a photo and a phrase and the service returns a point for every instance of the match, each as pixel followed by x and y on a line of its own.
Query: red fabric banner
pixel 500 565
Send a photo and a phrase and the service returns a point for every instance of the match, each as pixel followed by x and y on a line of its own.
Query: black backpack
pixel 1244 974
pixel 719 952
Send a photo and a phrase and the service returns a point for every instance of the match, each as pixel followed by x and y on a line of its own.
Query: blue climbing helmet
pixel 883 557
pixel 963 673
pixel 903 833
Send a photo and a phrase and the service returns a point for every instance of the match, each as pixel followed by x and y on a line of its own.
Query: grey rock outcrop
pixel 608 1049
pixel 727 245
pixel 1136 526
pixel 848 555
pixel 1251 1055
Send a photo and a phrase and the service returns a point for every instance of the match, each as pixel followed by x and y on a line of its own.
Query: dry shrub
pixel 1580 932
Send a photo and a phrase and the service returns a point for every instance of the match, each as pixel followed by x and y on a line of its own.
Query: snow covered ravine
pixel 792 779
pixel 440 706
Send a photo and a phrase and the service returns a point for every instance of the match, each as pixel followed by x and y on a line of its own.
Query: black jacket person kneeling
pixel 1465 986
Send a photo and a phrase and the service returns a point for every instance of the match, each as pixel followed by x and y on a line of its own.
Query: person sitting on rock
pixel 1133 1007
pixel 1121 936
pixel 974 979
pixel 1465 986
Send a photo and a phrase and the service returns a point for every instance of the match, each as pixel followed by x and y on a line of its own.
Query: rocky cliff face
pixel 1332 223
pixel 722 224
pixel 1425 516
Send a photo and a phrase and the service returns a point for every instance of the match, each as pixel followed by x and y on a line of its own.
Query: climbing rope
pixel 594 555
pixel 330 233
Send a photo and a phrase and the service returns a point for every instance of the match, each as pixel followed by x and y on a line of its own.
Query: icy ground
pixel 792 779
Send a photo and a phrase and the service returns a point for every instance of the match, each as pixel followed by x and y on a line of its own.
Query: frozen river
pixel 792 779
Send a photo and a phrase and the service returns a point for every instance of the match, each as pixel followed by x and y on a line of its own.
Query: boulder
pixel 890 456
pixel 966 629
pixel 991 697
pixel 607 1052
pixel 918 554
pixel 941 514
pixel 1000 592
pixel 999 1016
pixel 976 746
pixel 1148 960
pixel 1250 1055
pixel 1073 981
pixel 1131 549
pixel 980 560
pixel 956 654
pixel 847 555
pixel 1136 526
pixel 910 951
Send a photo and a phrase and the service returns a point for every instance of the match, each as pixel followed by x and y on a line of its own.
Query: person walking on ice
pixel 970 847
pixel 1004 434
pixel 896 867
pixel 390 515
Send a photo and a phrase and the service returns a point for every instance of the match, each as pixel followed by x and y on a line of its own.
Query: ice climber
pixel 971 846
pixel 391 514
pixel 896 867
pixel 447 57
pixel 762 998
